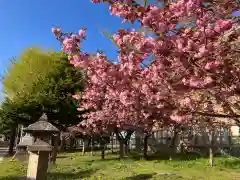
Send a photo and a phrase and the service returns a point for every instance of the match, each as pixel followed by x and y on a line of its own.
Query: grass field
pixel 73 166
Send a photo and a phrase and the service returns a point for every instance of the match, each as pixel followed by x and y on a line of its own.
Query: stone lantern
pixel 21 149
pixel 40 148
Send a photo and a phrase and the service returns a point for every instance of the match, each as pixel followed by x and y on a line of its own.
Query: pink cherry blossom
pixel 212 65
pixel 82 33
pixel 187 102
pixel 222 25
pixel 178 119
pixel 188 69
pixel 76 96
pixel 95 1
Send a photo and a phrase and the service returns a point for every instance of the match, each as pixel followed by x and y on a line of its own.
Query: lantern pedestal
pixel 37 165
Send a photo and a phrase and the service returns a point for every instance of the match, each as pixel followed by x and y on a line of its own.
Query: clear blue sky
pixel 26 23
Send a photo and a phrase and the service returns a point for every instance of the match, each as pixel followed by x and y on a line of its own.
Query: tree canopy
pixel 40 82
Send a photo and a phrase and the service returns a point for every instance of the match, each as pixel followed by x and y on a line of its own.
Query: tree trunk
pixel 175 139
pixel 102 144
pixel 112 143
pixel 211 162
pixel 12 141
pixel 103 154
pixel 19 130
pixel 123 141
pixel 121 149
pixel 83 148
pixel 145 146
pixel 63 143
pixel 53 157
pixel 86 144
pixel 92 145
pixel 126 146
pixel 72 141
pixel 138 143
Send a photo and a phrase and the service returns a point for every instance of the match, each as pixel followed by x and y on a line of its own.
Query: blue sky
pixel 28 23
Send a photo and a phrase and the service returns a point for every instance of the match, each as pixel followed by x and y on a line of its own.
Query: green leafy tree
pixel 40 82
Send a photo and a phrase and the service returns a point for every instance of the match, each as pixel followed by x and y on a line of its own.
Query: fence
pixel 161 141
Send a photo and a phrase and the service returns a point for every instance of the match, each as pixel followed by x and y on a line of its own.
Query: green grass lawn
pixel 73 166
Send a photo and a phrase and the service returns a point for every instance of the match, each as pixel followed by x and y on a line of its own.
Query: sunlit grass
pixel 73 166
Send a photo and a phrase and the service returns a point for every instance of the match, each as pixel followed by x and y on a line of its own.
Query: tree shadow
pixel 70 151
pixel 105 160
pixel 166 176
pixel 58 175
pixel 165 156
pixel 13 178
pixel 136 156
pixel 140 176
pixel 61 157
pixel 72 176
pixel 230 164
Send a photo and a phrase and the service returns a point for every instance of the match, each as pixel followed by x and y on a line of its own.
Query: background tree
pixel 10 117
pixel 40 82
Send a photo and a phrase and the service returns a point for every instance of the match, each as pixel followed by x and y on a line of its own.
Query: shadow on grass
pixel 230 164
pixel 165 156
pixel 61 157
pixel 165 176
pixel 58 175
pixel 66 151
pixel 73 175
pixel 134 156
pixel 141 176
pixel 105 160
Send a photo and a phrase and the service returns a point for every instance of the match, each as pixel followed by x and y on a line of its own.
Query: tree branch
pixel 217 115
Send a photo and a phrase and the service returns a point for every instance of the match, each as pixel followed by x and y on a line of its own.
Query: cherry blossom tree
pixel 193 66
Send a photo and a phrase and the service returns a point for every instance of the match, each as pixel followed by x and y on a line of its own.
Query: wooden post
pixel 211 163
